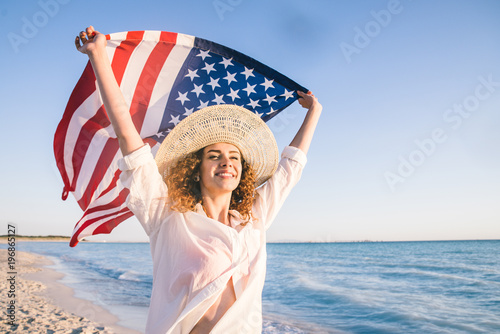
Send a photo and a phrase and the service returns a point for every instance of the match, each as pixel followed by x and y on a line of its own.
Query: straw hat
pixel 225 123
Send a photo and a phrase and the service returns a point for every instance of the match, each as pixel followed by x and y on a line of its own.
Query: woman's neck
pixel 217 207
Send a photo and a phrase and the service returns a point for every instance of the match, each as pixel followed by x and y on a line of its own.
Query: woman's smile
pixel 225 175
pixel 220 168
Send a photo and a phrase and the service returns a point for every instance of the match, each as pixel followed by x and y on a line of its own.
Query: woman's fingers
pixel 77 43
pixel 83 37
pixel 91 32
pixel 87 35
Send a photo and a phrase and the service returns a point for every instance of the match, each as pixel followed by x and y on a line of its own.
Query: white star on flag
pixel 234 94
pixel 250 89
pixel 175 119
pixel 267 83
pixel 209 68
pixel 203 104
pixel 270 99
pixel 258 113
pixel 226 62
pixel 248 73
pixel 218 99
pixel 203 54
pixel 182 97
pixel 198 90
pixel 287 94
pixel 192 74
pixel 230 78
pixel 254 104
pixel 214 83
pixel 189 111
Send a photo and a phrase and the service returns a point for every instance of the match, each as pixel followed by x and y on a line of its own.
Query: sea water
pixel 369 287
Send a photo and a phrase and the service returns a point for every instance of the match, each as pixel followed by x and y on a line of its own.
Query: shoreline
pixel 3 240
pixel 43 304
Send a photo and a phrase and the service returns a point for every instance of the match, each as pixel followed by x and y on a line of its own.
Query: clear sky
pixel 408 143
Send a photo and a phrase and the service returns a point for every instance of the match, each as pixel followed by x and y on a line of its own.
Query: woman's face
pixel 220 169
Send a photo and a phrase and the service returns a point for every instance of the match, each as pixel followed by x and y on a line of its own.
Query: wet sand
pixel 33 301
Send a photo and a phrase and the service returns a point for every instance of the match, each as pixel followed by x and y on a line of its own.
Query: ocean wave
pixel 274 324
pixel 338 294
pixel 272 327
pixel 131 275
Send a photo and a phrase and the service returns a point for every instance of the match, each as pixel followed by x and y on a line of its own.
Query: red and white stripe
pixel 145 64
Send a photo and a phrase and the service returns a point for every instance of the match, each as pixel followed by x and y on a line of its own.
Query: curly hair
pixel 184 192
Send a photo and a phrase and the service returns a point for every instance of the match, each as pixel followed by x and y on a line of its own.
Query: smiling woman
pixel 185 184
pixel 206 201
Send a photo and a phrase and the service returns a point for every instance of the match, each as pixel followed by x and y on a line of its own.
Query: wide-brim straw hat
pixel 225 123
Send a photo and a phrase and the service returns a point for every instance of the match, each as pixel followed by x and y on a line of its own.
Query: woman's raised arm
pixel 303 138
pixel 93 44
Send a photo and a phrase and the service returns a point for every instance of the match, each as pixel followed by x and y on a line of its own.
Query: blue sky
pixel 407 145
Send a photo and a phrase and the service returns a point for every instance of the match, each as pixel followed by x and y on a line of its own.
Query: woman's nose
pixel 226 162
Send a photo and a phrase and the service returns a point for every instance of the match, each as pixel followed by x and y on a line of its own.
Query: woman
pixel 202 204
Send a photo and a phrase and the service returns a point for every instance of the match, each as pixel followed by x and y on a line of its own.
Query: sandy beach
pixel 34 302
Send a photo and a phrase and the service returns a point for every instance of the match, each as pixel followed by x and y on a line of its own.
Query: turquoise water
pixel 385 287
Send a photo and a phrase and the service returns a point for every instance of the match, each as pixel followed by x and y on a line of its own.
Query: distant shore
pixel 45 238
pixel 59 238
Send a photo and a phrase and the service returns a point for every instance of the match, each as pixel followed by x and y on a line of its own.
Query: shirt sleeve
pixel 148 191
pixel 271 196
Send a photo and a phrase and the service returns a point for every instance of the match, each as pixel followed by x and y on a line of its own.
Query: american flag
pixel 164 77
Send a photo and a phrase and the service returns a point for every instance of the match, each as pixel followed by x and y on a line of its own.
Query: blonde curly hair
pixel 184 192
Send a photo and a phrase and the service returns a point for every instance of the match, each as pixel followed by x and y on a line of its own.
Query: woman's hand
pixel 90 41
pixel 93 44
pixel 308 100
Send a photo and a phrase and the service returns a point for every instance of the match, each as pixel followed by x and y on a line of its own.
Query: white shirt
pixel 194 256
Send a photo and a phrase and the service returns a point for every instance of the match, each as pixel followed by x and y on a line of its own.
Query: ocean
pixel 360 287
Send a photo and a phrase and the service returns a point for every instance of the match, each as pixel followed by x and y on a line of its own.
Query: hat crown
pixel 224 123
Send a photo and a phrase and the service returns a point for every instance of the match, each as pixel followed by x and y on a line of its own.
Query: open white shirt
pixel 195 256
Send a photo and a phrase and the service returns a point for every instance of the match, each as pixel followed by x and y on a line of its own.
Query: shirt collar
pixel 235 216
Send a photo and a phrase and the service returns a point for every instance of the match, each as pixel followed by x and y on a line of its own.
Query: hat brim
pixel 225 123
